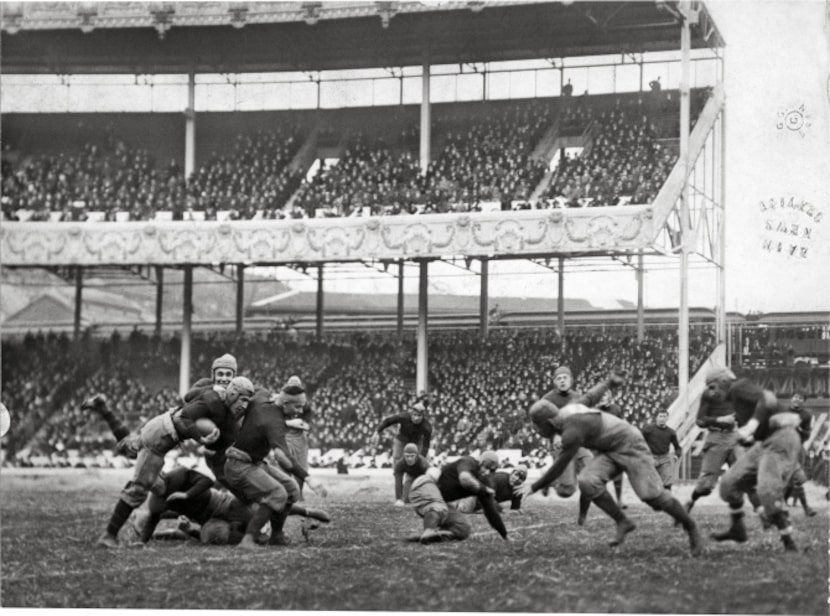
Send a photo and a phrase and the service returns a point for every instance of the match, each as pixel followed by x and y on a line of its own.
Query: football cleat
pixel 624 527
pixel 108 541
pixel 279 539
pixel 318 514
pixel 430 535
pixel 736 532
pixel 248 543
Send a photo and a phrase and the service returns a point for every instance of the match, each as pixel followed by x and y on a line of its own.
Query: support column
pixel 79 292
pixel 560 304
pixel 483 310
pixel 721 274
pixel 685 232
pixel 739 355
pixel 190 127
pixel 187 320
pixel 426 115
pixel 159 298
pixel 320 301
pixel 641 320
pixel 240 298
pixel 400 299
pixel 421 378
pixel 729 345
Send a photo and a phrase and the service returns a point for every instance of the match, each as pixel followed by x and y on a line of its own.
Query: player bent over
pixel 255 479
pixel 767 466
pixel 504 483
pixel 562 395
pixel 191 494
pixel 163 433
pixel 619 447
pixel 457 480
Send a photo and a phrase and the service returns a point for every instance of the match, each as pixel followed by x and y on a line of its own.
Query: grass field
pixel 361 561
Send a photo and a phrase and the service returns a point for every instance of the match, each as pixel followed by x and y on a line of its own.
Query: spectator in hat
pixel 413 427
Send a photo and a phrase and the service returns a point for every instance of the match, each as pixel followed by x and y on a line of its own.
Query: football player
pixel 164 432
pixel 187 492
pixel 254 477
pixel 413 427
pixel 619 446
pixel 505 483
pixel 768 465
pixel 456 480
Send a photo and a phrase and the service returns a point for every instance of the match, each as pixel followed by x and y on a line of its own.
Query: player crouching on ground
pixel 505 482
pixel 618 447
pixel 457 480
pixel 164 432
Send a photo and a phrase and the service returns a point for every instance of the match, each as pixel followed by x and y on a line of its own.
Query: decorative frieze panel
pixel 530 232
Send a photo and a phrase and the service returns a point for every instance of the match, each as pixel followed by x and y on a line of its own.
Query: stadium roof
pixel 232 37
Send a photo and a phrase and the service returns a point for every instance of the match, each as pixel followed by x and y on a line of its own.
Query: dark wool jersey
pixel 263 428
pixel 409 431
pixel 226 437
pixel 207 404
pixel 197 487
pixel 659 439
pixel 582 430
pixel 561 398
pixel 744 396
pixel 500 482
pixel 449 484
pixel 541 418
pixel 740 399
pixel 765 411
pixel 612 409
pixel 416 470
pixel 806 425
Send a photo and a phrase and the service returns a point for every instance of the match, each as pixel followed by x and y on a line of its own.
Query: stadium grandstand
pixel 149 153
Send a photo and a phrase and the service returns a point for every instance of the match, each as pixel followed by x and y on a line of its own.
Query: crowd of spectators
pixel 481 160
pixel 479 392
pixel 781 346
pixel 113 181
pixel 624 163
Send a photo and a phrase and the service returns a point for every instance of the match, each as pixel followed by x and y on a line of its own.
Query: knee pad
pixel 590 487
pixel 293 492
pixel 457 524
pixel 462 530
pixel 565 491
pixel 134 494
pixel 276 499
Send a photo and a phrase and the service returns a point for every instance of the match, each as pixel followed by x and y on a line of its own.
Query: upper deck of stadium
pixel 151 37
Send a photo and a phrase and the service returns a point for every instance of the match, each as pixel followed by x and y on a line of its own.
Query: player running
pixel 619 446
